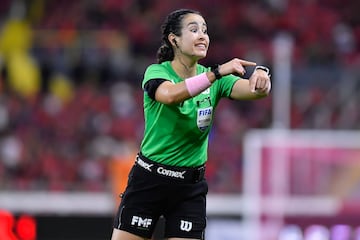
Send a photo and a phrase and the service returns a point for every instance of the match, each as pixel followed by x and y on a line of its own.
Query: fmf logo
pixel 141 222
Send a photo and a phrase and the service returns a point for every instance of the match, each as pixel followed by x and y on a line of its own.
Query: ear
pixel 172 39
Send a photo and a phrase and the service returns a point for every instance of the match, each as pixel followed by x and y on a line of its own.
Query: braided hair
pixel 172 24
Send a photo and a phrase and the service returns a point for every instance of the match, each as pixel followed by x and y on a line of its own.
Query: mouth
pixel 202 46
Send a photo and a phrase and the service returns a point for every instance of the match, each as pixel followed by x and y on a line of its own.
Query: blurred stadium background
pixel 282 168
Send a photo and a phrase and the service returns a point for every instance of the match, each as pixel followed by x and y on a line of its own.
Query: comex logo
pixel 141 222
pixel 185 225
pixel 143 164
pixel 171 173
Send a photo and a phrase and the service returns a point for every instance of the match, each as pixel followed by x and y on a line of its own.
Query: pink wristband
pixel 197 84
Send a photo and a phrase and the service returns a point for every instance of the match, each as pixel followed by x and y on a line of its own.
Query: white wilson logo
pixel 185 226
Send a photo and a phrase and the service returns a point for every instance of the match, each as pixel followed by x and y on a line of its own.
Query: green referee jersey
pixel 177 135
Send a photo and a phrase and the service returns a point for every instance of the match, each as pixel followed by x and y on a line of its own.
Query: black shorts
pixel 165 191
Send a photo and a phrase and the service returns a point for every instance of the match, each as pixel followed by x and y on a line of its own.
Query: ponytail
pixel 165 53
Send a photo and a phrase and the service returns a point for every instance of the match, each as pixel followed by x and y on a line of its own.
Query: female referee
pixel 180 97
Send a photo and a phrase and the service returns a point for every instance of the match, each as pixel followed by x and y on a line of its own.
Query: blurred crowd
pixel 70 93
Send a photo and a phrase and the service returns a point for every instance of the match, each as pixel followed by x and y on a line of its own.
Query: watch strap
pixel 215 70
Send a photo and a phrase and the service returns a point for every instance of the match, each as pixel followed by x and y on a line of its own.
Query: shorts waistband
pixel 182 174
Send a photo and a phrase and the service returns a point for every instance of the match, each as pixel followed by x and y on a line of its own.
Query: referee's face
pixel 194 40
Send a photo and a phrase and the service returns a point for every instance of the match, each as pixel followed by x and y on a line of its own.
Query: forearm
pixel 242 91
pixel 169 93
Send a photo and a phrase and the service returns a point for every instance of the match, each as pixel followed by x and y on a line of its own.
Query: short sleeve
pixel 155 71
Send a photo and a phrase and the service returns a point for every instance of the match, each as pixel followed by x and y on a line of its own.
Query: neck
pixel 184 69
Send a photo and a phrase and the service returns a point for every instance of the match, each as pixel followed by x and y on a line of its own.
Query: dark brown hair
pixel 172 24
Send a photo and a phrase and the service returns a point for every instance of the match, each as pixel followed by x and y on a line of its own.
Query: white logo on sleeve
pixel 185 225
pixel 141 222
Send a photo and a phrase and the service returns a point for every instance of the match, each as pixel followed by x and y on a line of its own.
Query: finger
pixel 266 87
pixel 259 85
pixel 262 83
pixel 247 63
pixel 252 82
pixel 240 71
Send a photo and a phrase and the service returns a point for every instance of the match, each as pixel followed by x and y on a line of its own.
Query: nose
pixel 201 34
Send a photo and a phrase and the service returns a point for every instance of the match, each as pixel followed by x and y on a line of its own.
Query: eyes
pixel 196 28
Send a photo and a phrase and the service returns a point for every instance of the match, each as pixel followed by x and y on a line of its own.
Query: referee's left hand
pixel 260 83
